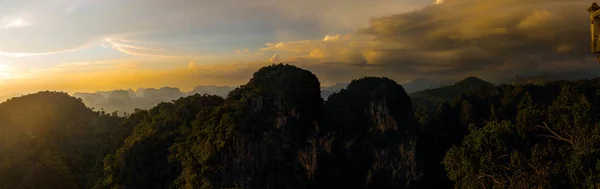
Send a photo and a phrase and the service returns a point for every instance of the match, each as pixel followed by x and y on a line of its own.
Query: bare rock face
pixel 119 97
pixel 275 132
pixel 263 137
pixel 370 127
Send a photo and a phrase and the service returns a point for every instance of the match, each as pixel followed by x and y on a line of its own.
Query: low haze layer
pixel 127 101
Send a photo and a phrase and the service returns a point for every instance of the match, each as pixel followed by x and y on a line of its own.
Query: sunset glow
pixel 73 45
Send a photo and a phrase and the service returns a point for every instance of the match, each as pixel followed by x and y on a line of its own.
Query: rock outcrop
pixel 263 137
pixel 276 132
pixel 370 132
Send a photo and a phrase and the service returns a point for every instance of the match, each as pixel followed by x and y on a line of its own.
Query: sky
pixel 93 45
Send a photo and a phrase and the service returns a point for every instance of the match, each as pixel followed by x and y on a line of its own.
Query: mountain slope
pixel 277 132
pixel 434 97
pixel 420 84
pixel 370 131
pixel 51 140
pixel 274 132
pixel 142 161
pixel 256 138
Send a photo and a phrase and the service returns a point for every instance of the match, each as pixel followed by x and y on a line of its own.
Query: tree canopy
pixel 276 131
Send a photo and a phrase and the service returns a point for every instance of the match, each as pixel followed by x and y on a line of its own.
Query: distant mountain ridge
pixel 420 84
pixel 143 98
pixel 329 90
pixel 472 83
pixel 276 131
pixel 414 85
pixel 433 97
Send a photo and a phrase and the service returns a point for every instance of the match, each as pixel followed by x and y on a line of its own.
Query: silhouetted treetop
pixel 277 132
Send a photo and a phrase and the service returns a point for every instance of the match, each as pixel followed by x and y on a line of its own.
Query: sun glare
pixel 17 23
pixel 5 72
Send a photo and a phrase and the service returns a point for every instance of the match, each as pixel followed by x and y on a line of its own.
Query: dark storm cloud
pixel 475 36
pixel 466 37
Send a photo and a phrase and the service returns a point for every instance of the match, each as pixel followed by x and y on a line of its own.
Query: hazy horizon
pixel 86 46
pixel 412 94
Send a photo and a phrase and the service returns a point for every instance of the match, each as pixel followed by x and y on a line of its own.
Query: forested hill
pixel 277 132
pixel 51 140
pixel 433 97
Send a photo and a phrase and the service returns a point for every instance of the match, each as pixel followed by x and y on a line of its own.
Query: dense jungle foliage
pixel 277 132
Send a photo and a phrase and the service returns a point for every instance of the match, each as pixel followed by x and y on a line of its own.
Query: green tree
pixel 539 150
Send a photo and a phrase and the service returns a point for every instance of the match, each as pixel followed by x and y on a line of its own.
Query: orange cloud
pixel 458 38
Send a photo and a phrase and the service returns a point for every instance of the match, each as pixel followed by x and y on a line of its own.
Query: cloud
pixel 84 64
pixel 459 38
pixel 29 54
pixel 450 38
pixel 61 24
pixel 129 47
pixel 464 35
pixel 75 30
pixel 17 23
pixel 6 72
pixel 331 37
pixel 274 59
pixel 351 50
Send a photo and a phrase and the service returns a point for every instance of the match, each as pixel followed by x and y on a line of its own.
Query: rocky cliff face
pixel 276 132
pixel 370 127
pixel 266 127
